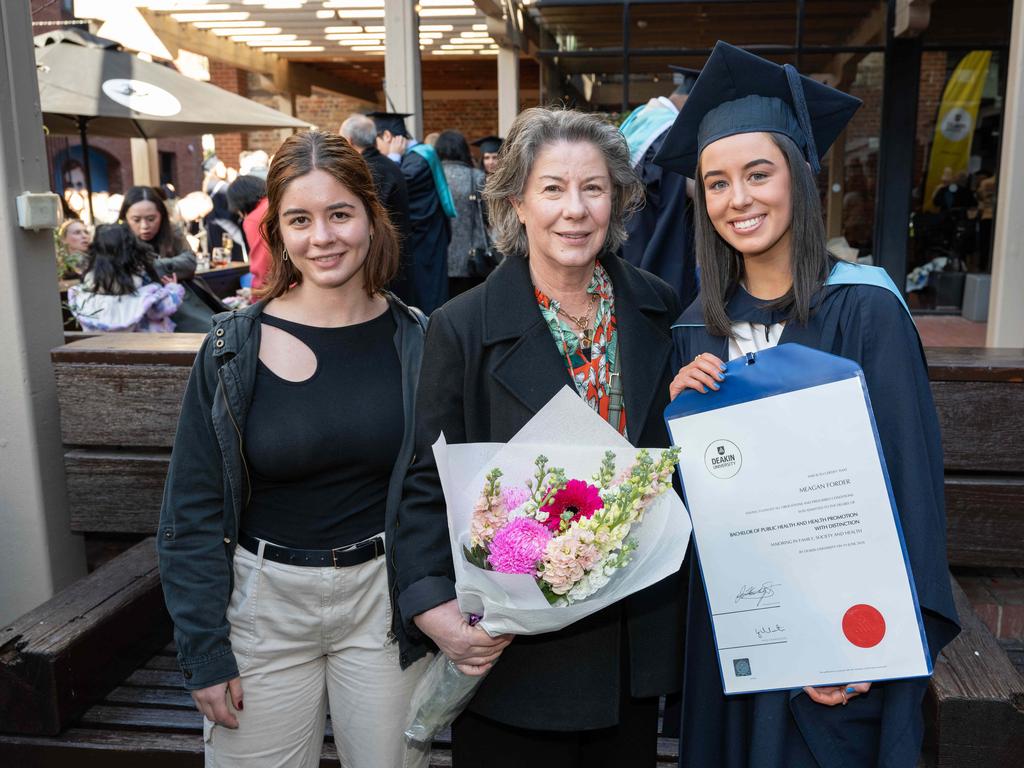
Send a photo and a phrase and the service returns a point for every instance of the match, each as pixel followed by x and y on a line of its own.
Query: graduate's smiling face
pixel 326 230
pixel 566 205
pixel 747 192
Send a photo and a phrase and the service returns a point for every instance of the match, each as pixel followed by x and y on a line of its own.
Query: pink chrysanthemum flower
pixel 579 498
pixel 514 497
pixel 518 546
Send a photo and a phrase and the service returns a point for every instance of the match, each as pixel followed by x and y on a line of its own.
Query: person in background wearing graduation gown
pixel 361 133
pixel 661 234
pixel 489 147
pixel 430 207
pixel 752 135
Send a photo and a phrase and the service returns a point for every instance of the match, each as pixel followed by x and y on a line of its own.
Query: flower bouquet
pixel 562 521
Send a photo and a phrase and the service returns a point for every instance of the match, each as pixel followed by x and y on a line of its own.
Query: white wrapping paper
pixel 572 436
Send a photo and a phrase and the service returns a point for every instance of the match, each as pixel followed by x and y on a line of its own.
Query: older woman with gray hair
pixel 561 310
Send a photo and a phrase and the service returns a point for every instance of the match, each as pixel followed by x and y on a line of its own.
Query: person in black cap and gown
pixel 660 234
pixel 489 147
pixel 361 133
pixel 752 135
pixel 430 206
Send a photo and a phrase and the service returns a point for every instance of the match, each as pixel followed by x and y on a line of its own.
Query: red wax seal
pixel 864 626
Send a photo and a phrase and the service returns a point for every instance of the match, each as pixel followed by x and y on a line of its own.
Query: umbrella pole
pixel 88 171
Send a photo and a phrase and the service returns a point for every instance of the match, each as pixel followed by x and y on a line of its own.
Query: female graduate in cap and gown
pixel 751 135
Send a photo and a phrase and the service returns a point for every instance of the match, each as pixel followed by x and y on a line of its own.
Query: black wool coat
pixel 489 365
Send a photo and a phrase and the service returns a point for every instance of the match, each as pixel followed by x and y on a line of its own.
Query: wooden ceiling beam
pixel 289 76
pixel 176 35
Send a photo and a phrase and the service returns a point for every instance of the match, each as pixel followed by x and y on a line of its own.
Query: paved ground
pixel 950 331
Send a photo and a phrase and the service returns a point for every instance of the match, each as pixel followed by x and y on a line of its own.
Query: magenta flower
pixel 578 498
pixel 519 546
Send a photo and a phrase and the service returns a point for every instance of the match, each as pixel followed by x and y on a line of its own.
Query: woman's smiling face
pixel 566 205
pixel 747 193
pixel 326 230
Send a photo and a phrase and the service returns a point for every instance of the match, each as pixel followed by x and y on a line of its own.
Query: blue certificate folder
pixel 785 369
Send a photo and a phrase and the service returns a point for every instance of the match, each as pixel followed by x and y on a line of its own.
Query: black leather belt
pixel 342 557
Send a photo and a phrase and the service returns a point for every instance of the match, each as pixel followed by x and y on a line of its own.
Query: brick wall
pixel 326 109
pixel 997 596
pixel 236 81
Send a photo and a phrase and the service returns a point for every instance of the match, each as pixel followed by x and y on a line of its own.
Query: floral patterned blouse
pixel 591 369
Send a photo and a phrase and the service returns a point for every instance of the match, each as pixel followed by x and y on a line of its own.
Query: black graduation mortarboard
pixel 390 121
pixel 489 144
pixel 684 77
pixel 738 92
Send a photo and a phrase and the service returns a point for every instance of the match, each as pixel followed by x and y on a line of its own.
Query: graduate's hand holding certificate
pixel 796 531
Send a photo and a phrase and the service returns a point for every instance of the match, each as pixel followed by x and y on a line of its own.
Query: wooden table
pixel 225 281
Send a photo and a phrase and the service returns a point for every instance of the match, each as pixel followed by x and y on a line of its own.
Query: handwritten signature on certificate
pixel 770 631
pixel 761 593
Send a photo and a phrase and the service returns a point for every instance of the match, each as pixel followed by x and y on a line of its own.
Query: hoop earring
pixel 284 251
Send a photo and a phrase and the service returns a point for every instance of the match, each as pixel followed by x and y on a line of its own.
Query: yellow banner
pixel 954 127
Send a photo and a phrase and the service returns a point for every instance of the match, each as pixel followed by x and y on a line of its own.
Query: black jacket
pixel 391 191
pixel 489 365
pixel 207 489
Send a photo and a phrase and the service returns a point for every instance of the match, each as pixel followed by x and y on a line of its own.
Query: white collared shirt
pixel 753 337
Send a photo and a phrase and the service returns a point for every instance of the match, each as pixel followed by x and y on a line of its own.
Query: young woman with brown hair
pixel 280 506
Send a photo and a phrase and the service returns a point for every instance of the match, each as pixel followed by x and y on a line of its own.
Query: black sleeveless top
pixel 320 452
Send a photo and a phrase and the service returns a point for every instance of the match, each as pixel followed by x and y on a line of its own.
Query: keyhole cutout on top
pixel 287 357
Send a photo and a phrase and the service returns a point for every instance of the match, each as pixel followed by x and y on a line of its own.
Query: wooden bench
pixel 974 709
pixel 979 396
pixel 60 658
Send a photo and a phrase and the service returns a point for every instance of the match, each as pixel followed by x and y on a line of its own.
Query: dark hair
pixel 299 155
pixel 245 193
pixel 115 258
pixel 163 241
pixel 451 145
pixel 721 267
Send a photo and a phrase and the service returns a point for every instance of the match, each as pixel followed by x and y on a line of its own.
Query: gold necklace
pixel 582 322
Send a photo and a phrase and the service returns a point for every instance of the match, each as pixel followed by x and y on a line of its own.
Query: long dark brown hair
pixel 304 153
pixel 721 267
pixel 115 258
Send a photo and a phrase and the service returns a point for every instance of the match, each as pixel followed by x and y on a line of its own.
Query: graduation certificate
pixel 796 530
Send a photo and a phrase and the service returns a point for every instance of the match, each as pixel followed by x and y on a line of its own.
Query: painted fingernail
pixel 722 366
pixel 721 376
pixel 714 386
pixel 850 689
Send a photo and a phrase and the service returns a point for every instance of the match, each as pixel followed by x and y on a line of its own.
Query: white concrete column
pixel 508 88
pixel 145 163
pixel 402 89
pixel 38 554
pixel 1006 305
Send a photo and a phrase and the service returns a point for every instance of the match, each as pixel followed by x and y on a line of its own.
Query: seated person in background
pixel 146 215
pixel 73 240
pixel 144 212
pixel 120 289
pixel 247 198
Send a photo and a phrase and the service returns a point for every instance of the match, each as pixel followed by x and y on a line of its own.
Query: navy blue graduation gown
pixel 430 232
pixel 660 235
pixel 786 729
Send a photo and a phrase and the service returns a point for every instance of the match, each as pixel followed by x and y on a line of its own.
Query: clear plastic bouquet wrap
pixel 562 521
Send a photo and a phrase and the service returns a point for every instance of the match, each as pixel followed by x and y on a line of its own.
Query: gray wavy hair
pixel 533 130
